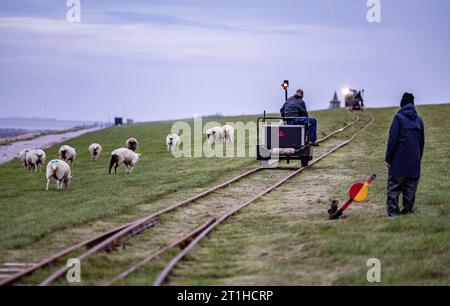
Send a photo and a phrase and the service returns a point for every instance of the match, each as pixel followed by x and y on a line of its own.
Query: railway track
pixel 109 240
pixel 163 276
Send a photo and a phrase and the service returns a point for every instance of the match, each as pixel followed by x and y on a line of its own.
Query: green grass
pixel 29 214
pixel 283 239
pixel 286 237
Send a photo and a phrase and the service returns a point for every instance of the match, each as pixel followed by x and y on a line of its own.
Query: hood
pixel 409 117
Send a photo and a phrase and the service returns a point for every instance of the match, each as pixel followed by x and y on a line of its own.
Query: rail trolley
pixel 278 141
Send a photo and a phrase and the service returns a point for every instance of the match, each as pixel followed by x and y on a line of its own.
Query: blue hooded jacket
pixel 406 143
pixel 294 107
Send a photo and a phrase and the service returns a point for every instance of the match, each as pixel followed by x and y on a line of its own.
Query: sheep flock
pixel 60 170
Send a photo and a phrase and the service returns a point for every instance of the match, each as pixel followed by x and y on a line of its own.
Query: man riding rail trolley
pixel 296 107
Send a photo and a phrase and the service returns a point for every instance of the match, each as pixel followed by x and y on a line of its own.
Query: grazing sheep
pixel 214 135
pixel 67 153
pixel 173 142
pixel 60 171
pixel 228 133
pixel 23 157
pixel 95 149
pixel 132 144
pixel 35 158
pixel 125 156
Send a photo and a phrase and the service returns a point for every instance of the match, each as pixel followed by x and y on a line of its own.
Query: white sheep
pixel 95 149
pixel 34 159
pixel 67 153
pixel 23 157
pixel 125 156
pixel 173 142
pixel 215 134
pixel 60 171
pixel 228 133
pixel 132 144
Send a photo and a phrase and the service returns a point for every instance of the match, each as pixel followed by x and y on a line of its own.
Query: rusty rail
pixel 181 243
pixel 340 130
pixel 118 235
pixel 47 261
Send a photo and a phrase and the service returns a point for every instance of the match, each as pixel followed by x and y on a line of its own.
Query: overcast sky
pixel 167 59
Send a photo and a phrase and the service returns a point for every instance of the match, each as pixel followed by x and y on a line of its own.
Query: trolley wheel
pixel 305 162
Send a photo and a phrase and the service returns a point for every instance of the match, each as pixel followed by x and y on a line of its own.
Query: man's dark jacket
pixel 294 107
pixel 406 143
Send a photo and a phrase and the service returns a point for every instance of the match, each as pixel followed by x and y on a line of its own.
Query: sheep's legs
pixel 48 182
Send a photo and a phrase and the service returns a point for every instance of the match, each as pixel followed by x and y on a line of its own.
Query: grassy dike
pixel 286 238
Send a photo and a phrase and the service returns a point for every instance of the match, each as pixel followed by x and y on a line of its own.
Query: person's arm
pixel 422 139
pixel 392 141
pixel 303 110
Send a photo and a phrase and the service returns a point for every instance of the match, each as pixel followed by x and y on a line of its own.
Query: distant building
pixel 335 103
pixel 130 121
pixel 118 121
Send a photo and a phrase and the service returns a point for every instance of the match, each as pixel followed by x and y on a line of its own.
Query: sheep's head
pixel 210 133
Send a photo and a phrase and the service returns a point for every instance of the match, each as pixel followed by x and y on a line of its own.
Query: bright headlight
pixel 346 91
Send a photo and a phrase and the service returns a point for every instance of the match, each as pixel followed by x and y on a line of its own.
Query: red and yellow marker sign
pixel 358 192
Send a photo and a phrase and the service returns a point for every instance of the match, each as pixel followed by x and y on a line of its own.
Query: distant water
pixel 37 124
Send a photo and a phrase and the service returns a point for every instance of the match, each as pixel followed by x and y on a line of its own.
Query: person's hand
pixel 387 165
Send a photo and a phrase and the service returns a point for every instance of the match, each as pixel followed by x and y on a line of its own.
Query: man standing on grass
pixel 403 157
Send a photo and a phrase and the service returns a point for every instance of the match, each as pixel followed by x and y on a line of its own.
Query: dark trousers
pixel 311 122
pixel 406 186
